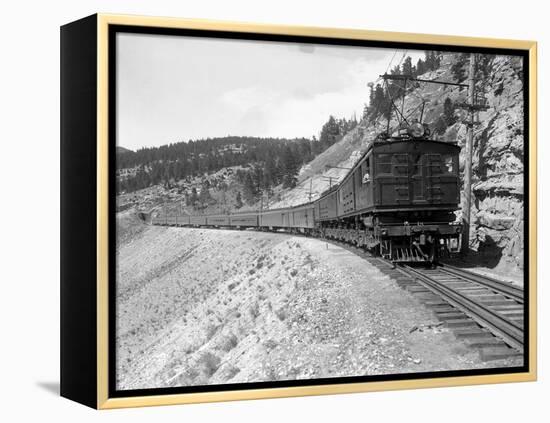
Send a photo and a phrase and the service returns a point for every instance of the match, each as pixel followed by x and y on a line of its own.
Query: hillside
pixel 122 150
pixel 278 159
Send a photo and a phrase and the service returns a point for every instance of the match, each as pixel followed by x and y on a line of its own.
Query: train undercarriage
pixel 428 238
pixel 401 237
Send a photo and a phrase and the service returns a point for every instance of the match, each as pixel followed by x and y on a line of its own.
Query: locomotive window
pixel 448 163
pixel 365 171
pixel 400 164
pixel 434 162
pixel 383 163
pixel 417 165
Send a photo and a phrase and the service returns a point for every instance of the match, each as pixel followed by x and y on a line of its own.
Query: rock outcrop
pixel 498 165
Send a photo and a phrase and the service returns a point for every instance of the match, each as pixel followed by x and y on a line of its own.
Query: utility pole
pixel 472 106
pixel 310 185
pixel 335 167
pixel 330 178
pixel 467 205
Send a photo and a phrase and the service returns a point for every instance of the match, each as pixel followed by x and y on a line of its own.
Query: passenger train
pixel 398 200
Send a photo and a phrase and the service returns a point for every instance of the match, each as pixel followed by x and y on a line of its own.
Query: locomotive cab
pixel 416 190
pixel 415 174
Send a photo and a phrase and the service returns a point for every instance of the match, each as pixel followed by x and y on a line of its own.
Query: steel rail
pixel 506 288
pixel 509 331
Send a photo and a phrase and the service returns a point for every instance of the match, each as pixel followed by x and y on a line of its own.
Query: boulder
pixel 495 221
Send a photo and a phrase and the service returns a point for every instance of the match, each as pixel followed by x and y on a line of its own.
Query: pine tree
pixel 371 94
pixel 291 163
pixel 269 173
pixel 330 133
pixel 420 67
pixel 380 101
pixel 193 198
pixel 205 198
pixel 483 68
pixel 407 67
pixel 428 58
pixel 290 181
pixel 449 112
pixel 238 201
pixel 458 68
pixel 187 198
pixel 291 166
pixel 249 188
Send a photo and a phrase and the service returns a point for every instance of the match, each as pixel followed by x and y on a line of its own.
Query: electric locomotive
pixel 399 198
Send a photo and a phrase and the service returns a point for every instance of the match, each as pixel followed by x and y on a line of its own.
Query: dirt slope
pixel 200 306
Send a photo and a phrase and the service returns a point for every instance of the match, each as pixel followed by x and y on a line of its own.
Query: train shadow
pixel 488 254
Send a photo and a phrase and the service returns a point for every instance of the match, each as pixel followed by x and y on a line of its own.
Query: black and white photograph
pixel 286 211
pixel 293 211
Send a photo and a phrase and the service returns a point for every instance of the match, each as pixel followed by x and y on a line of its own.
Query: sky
pixel 174 88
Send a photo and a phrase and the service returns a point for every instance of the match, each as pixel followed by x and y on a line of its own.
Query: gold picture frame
pixel 101 23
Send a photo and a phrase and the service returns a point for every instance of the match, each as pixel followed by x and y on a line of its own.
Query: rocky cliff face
pixel 497 218
pixel 498 165
pixel 498 160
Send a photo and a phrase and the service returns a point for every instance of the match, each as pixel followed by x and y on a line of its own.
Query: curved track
pixel 494 306
pixel 505 288
pixel 486 312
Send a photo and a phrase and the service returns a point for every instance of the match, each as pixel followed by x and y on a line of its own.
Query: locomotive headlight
pixel 416 130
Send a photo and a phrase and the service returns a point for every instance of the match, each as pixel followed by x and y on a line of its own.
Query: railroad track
pixel 488 314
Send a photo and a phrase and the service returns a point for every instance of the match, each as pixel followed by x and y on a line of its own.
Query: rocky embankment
pixel 203 306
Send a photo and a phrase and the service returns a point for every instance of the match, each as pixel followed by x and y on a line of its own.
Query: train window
pixel 434 164
pixel 448 163
pixel 365 171
pixel 383 163
pixel 417 165
pixel 400 164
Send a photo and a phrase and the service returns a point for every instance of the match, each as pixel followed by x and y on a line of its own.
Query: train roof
pixel 397 140
pixel 384 141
